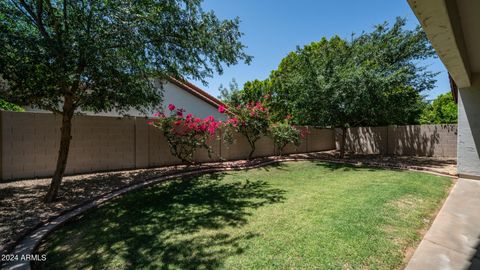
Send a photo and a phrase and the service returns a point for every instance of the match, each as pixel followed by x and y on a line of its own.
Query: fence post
pixel 307 134
pixel 388 140
pixel 391 138
pixel 135 143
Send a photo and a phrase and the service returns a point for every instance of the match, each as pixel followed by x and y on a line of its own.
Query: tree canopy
pixel 443 110
pixel 101 55
pixel 104 52
pixel 374 78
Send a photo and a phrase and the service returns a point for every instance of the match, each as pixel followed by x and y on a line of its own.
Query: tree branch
pixel 37 17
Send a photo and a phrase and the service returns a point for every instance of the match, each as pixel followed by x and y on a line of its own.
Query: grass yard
pixel 297 215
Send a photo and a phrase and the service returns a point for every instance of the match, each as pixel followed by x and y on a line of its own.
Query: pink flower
pixel 211 130
pixel 233 121
pixel 221 109
pixel 171 107
pixel 150 122
pixel 180 113
pixel 156 114
pixel 209 118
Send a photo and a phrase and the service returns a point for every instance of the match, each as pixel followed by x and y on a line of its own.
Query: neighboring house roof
pixel 196 91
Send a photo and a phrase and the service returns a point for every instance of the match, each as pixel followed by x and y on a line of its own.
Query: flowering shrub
pixel 284 133
pixel 185 134
pixel 251 120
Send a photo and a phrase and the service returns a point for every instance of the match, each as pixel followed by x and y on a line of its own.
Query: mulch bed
pixel 22 209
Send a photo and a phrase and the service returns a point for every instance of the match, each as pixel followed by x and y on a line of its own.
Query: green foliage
pixel 7 106
pixel 373 79
pixel 230 95
pixel 284 133
pixel 185 134
pixel 443 110
pixel 252 92
pixel 102 54
pixel 251 120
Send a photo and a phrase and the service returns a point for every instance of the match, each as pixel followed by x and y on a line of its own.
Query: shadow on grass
pixel 277 166
pixel 345 167
pixel 175 225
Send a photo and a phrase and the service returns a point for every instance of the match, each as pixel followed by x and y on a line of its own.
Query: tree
pixel 251 120
pixel 230 95
pixel 372 79
pixel 7 106
pixel 443 110
pixel 283 133
pixel 185 134
pixel 101 55
pixel 252 91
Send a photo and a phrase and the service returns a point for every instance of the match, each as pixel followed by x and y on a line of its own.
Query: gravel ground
pixel 21 206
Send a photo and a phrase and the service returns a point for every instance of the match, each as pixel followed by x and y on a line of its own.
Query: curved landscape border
pixel 29 243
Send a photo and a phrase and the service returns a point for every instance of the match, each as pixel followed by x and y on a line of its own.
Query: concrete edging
pixel 28 244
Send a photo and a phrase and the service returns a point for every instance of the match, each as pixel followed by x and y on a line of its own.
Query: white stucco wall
pixel 192 104
pixel 172 94
pixel 468 149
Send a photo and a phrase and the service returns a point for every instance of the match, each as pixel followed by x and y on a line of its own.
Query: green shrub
pixel 283 133
pixel 7 106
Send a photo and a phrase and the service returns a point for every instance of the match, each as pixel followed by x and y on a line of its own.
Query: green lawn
pixel 298 215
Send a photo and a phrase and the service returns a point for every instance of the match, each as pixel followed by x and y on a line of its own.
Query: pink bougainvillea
pixel 185 134
pixel 221 109
pixel 251 120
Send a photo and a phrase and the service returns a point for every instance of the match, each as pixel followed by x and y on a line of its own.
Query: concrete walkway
pixel 453 240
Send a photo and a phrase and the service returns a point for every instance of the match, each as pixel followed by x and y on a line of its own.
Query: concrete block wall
pixel 409 140
pixel 319 139
pixel 364 140
pixel 424 140
pixel 29 145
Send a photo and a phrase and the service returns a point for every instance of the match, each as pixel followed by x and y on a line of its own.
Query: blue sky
pixel 272 29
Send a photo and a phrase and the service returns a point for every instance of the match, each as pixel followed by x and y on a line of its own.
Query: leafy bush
pixel 251 120
pixel 284 133
pixel 7 106
pixel 185 134
pixel 443 110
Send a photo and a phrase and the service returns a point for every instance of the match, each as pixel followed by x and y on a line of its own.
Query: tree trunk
pixel 252 146
pixel 66 136
pixel 342 144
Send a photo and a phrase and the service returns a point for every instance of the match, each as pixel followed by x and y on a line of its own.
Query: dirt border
pixel 30 240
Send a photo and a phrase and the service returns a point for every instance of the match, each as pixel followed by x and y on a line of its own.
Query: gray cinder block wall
pixel 29 145
pixel 410 140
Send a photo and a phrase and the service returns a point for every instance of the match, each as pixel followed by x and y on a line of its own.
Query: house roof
pixel 196 91
pixel 453 27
